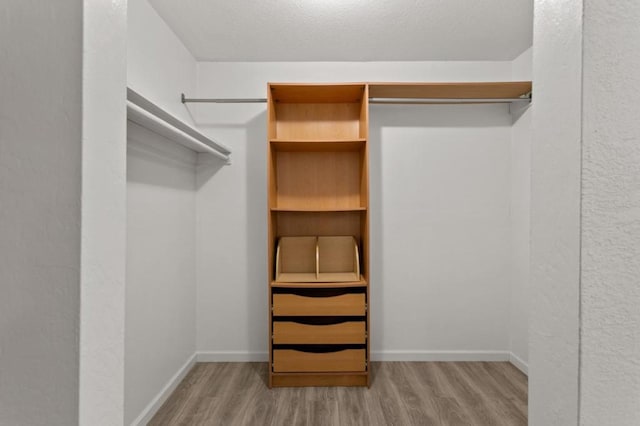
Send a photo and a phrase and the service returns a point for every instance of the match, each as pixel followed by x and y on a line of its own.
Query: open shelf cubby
pixel 318 231
pixel 318 180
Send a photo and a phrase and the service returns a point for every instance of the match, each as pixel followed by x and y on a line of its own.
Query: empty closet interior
pixel 359 214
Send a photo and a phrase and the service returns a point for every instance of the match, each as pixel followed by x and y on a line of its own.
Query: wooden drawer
pixel 295 305
pixel 292 361
pixel 292 332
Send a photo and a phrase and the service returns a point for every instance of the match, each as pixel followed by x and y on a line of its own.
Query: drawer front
pixel 293 361
pixel 292 332
pixel 294 305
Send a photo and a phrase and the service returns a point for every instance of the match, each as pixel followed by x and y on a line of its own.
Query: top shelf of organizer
pixel 317 93
pixel 311 112
pixel 480 90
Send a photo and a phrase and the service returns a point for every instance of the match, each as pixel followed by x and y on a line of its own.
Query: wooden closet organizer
pixel 318 228
pixel 318 224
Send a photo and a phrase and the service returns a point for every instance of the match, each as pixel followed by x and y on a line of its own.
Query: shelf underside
pixel 305 209
pixel 318 145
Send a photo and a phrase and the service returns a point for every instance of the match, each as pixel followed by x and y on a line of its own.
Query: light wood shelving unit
pixel 318 232
pixel 318 188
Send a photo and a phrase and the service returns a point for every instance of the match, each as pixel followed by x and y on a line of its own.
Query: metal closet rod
pixel 186 100
pixel 372 100
pixel 427 101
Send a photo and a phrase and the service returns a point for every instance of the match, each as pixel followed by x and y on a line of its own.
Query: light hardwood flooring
pixel 402 393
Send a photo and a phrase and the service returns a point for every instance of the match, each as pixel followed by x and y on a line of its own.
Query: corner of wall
pixel 102 303
pixel 156 403
pixel 520 176
pixel 554 332
pixel 522 66
pixel 159 65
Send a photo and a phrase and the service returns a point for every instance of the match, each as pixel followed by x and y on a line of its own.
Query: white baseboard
pixel 155 404
pixel 519 363
pixel 446 356
pixel 232 356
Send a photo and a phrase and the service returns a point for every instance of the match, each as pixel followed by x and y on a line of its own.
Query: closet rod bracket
pixel 523 102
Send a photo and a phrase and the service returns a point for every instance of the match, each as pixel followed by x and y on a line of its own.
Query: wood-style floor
pixel 402 393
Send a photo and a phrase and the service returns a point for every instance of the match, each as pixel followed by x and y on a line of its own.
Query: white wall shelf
pixel 147 114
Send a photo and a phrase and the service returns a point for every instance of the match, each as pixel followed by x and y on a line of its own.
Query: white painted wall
pixel 102 290
pixel 610 302
pixel 161 258
pixel 40 172
pixel 159 67
pixel 521 134
pixel 555 214
pixel 440 199
pixel 585 355
pixel 440 230
pixel 161 265
pixel 62 242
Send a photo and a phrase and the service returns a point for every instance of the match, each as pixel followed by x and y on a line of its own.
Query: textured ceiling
pixel 350 30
